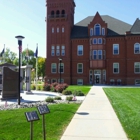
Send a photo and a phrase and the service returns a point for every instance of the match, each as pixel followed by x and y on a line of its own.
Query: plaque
pixel 43 109
pixel 31 116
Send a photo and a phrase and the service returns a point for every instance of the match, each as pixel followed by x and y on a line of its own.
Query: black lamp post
pixel 60 60
pixel 19 38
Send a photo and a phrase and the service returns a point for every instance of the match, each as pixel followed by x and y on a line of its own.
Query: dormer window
pixel 97 29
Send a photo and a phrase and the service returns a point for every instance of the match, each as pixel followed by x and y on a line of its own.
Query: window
pixel 94 40
pixel 62 29
pixel 57 29
pixel 52 13
pixel 97 29
pixel 99 40
pixel 57 13
pixel 136 48
pixel 61 68
pixel 91 32
pixel 53 67
pixel 62 80
pixel 79 81
pixel 80 50
pixel 63 50
pixel 115 49
pixel 53 80
pixel 52 29
pixel 80 68
pixel 63 13
pixel 99 54
pixel 137 82
pixel 57 50
pixel 103 31
pixel 94 54
pixel 115 67
pixel 53 51
pixel 137 67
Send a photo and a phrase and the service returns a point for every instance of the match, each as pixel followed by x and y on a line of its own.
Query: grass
pixel 126 103
pixel 84 89
pixel 14 126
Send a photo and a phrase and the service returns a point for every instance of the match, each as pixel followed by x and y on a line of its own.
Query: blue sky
pixel 27 18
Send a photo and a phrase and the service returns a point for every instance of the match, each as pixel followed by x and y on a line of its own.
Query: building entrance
pixel 97 79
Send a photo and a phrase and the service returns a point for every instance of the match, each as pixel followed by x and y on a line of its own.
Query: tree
pixel 41 67
pixel 8 56
pixel 28 57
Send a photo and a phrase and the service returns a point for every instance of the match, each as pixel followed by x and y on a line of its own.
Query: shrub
pixel 57 98
pixel 53 89
pixel 49 99
pixel 59 88
pixel 66 92
pixel 38 87
pixel 33 87
pixel 46 87
pixel 69 98
pixel 65 86
pixel 54 84
pixel 78 93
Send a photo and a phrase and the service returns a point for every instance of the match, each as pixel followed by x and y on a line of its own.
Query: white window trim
pixel 103 31
pixel 78 68
pixel 135 82
pixel 52 68
pixel 95 28
pixel 52 29
pixel 101 40
pixel 78 50
pixel 57 29
pixel 91 32
pixel 80 80
pixel 63 29
pixel 134 68
pixel 114 47
pixel 118 69
pixel 93 41
pixel 134 48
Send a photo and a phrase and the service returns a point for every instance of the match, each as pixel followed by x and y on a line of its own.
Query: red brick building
pixel 97 50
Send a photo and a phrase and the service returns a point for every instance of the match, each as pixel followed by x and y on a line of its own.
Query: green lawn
pixel 84 89
pixel 126 103
pixel 14 126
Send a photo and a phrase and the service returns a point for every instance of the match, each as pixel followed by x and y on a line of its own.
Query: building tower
pixel 59 22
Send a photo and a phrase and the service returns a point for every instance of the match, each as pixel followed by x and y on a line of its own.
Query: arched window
pixel 57 13
pixel 97 29
pixel 136 48
pixel 63 13
pixel 52 13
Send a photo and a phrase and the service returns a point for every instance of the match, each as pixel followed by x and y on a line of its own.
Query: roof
pixel 115 27
pixel 135 29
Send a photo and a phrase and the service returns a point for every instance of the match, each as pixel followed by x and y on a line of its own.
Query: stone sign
pixel 9 84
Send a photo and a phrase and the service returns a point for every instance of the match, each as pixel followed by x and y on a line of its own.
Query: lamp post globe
pixel 19 38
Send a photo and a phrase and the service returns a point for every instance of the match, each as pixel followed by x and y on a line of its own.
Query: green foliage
pixel 126 103
pixel 14 126
pixel 41 66
pixel 57 98
pixel 84 89
pixel 69 98
pixel 78 93
pixel 33 87
pixel 66 92
pixel 49 99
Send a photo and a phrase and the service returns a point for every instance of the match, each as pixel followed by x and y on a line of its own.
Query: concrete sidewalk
pixel 95 120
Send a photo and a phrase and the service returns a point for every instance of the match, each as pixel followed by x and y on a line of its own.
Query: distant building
pixel 96 50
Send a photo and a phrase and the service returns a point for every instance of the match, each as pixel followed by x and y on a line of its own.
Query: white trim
pixel 78 68
pixel 114 67
pixel 114 45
